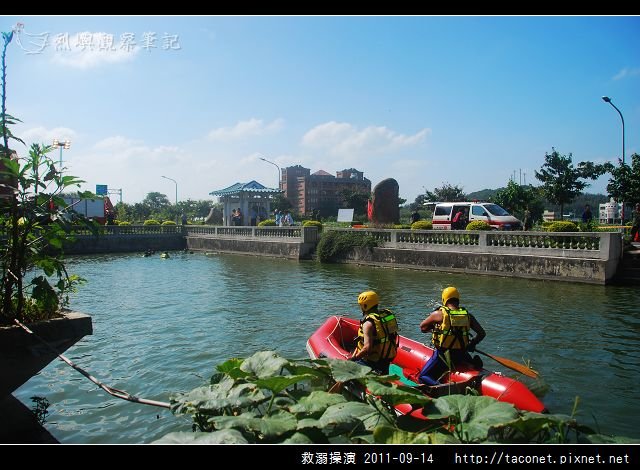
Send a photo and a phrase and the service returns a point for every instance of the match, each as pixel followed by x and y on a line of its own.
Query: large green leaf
pixel 268 427
pixel 531 426
pixel 264 364
pixel 380 414
pixel 216 399
pixel 395 394
pixel 298 438
pixel 316 403
pixel 475 415
pixel 343 371
pixel 318 368
pixel 443 437
pixel 308 423
pixel 225 436
pixel 229 365
pixel 391 435
pixel 70 180
pixel 12 167
pixel 279 383
pixel 55 242
pixel 344 417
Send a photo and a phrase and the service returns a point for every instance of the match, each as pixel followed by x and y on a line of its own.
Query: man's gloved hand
pixel 471 347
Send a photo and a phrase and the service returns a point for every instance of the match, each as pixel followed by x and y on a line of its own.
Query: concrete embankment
pixel 566 256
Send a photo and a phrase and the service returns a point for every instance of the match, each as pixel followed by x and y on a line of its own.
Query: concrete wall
pixel 91 244
pixel 276 249
pixel 525 266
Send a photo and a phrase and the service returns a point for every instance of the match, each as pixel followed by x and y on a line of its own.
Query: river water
pixel 161 326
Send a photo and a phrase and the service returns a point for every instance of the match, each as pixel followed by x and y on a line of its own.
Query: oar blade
pixel 524 370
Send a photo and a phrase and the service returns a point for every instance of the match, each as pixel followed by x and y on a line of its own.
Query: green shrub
pixel 562 226
pixel 422 225
pixel 123 222
pixel 267 223
pixel 151 222
pixel 313 223
pixel 166 222
pixel 401 226
pixel 478 225
pixel 591 226
pixel 334 244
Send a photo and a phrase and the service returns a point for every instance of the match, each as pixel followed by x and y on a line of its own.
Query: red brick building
pixel 320 190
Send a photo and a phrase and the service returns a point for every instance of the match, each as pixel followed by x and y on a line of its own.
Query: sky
pixel 471 101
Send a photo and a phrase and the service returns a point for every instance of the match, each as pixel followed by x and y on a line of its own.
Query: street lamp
pixel 606 99
pixel 63 145
pixel 176 183
pixel 274 164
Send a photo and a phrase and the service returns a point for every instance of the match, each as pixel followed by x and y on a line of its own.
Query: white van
pixel 444 216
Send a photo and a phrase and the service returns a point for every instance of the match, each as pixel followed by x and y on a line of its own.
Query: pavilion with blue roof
pixel 249 197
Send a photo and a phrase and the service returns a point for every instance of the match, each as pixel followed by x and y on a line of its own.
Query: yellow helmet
pixel 367 300
pixel 449 293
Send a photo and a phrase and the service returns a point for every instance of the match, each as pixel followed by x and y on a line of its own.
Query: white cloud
pixel 133 166
pixel 115 144
pixel 345 140
pixel 377 150
pixel 96 54
pixel 627 72
pixel 42 135
pixel 244 129
pixel 133 153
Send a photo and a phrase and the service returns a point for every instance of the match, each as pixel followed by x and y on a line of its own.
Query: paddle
pixel 512 365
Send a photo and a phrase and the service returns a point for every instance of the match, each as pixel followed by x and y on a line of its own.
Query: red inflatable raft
pixel 332 338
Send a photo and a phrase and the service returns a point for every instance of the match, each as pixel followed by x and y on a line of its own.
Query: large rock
pixel 215 216
pixel 385 202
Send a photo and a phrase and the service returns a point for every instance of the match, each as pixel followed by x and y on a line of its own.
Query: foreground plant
pixel 34 226
pixel 269 399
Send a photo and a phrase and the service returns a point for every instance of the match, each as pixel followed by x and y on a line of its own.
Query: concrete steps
pixel 629 269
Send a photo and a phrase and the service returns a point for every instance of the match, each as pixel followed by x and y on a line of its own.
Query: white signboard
pixel 345 215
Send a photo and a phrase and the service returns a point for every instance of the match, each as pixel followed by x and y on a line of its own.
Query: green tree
pixel 140 212
pixel 281 203
pixel 156 202
pixel 418 203
pixel 446 193
pixel 515 198
pixel 624 184
pixel 561 181
pixel 123 212
pixel 355 199
pixel 195 209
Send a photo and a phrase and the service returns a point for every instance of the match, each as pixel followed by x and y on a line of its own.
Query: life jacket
pixel 453 332
pixel 385 343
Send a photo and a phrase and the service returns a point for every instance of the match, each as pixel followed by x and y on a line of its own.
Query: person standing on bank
pixel 458 220
pixel 636 223
pixel 450 326
pixel 527 222
pixel 377 336
pixel 587 215
pixel 415 216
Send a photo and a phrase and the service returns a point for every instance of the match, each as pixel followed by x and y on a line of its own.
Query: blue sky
pixel 424 100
